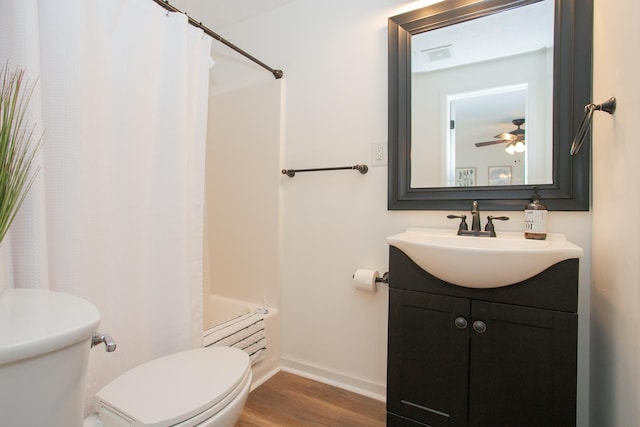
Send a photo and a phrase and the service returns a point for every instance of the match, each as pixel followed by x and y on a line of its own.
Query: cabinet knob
pixel 460 322
pixel 479 326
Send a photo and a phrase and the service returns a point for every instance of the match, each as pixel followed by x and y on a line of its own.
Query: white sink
pixel 482 262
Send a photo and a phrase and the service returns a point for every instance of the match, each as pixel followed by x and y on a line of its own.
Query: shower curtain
pixel 116 213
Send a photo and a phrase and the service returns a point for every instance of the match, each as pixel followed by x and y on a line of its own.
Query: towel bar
pixel 292 172
pixel 608 106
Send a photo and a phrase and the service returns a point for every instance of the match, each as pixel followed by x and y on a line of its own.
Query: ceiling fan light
pixel 515 147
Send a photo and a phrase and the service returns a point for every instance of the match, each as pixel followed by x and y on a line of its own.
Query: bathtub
pixel 219 309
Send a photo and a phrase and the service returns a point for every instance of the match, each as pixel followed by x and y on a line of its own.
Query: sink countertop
pixel 482 262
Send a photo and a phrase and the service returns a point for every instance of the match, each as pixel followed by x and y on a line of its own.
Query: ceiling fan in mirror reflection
pixel 514 139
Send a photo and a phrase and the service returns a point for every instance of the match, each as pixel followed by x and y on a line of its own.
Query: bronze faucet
pixel 475 216
pixel 476 227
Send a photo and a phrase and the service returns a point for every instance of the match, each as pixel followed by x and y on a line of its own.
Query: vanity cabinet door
pixel 428 360
pixel 522 366
pixel 461 362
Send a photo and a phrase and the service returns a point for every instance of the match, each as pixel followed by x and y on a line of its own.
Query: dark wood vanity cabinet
pixel 481 357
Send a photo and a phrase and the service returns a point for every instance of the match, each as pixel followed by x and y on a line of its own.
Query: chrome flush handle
pixel 109 343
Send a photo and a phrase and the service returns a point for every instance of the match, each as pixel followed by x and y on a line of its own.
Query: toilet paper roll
pixel 365 280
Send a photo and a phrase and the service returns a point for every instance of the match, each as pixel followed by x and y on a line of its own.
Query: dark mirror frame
pixel 572 56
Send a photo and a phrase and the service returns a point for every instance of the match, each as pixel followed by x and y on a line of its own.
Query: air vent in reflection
pixel 437 53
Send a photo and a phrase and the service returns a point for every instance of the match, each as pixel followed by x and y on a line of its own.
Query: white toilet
pixel 204 387
pixel 45 338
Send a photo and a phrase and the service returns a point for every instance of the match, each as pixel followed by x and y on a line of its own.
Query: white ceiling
pixel 216 14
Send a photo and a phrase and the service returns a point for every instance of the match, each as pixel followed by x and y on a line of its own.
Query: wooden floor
pixel 290 400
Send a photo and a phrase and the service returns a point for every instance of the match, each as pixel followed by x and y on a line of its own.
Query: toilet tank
pixel 45 338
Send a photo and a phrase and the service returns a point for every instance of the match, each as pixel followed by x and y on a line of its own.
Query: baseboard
pixel 263 377
pixel 341 380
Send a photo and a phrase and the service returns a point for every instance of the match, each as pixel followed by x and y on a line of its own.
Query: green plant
pixel 17 146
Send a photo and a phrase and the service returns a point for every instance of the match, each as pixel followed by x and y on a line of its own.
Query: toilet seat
pixel 182 389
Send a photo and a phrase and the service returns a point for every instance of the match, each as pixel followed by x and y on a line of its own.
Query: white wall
pixel 334 55
pixel 615 373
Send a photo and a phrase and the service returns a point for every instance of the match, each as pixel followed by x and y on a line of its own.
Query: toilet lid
pixel 176 387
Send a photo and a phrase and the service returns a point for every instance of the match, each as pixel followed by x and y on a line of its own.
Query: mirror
pixel 484 97
pixel 474 82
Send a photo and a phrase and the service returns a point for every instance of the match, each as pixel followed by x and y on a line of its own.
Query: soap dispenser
pixel 535 218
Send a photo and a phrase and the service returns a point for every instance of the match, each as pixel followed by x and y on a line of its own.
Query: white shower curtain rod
pixel 276 73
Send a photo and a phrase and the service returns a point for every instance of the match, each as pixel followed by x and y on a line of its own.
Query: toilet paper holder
pixel 383 279
pixel 368 280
